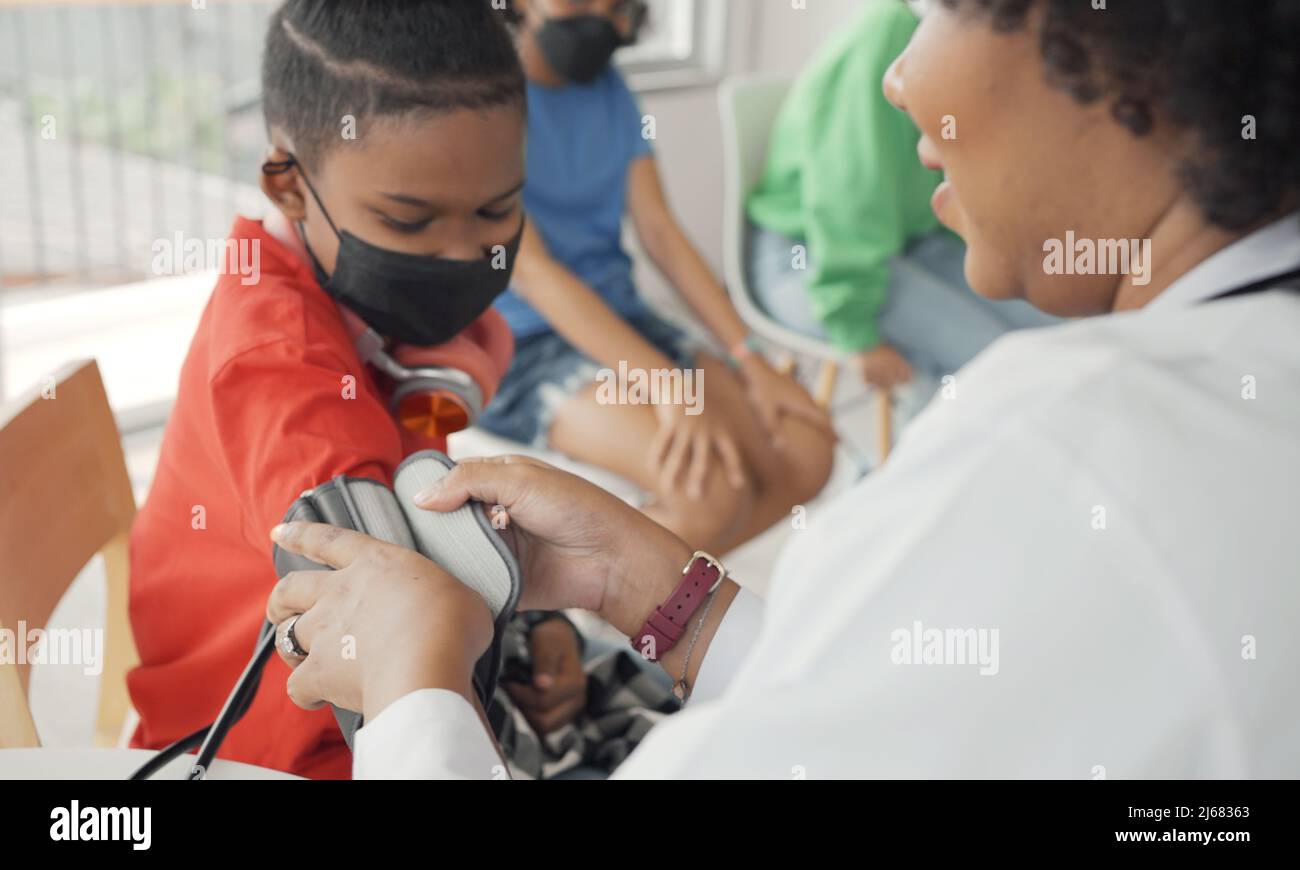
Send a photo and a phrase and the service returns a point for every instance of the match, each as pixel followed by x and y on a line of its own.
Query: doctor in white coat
pixel 1082 559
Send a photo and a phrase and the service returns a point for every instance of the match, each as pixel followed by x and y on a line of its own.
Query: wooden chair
pixel 64 496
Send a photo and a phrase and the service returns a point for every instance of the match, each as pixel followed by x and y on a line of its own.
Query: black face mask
pixel 417 300
pixel 579 47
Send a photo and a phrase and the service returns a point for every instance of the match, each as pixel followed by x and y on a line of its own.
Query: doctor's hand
pixel 578 545
pixel 386 621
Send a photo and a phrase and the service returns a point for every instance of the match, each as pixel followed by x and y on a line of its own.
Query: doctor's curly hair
pixel 1203 65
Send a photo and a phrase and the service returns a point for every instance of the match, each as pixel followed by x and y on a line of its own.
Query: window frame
pixel 704 66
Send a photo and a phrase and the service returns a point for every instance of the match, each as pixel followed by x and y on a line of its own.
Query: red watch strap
pixel 666 625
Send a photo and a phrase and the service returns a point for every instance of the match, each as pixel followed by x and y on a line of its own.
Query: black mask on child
pixel 579 47
pixel 414 299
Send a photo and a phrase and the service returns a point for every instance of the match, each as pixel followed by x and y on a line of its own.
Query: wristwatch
pixel 701 577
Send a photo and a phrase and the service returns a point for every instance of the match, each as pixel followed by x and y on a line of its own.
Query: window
pixel 124 127
pixel 681 45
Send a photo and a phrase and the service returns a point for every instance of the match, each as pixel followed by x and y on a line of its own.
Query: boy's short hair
pixel 326 60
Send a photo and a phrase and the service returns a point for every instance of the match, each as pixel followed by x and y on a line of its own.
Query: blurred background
pixel 129 125
pixel 123 124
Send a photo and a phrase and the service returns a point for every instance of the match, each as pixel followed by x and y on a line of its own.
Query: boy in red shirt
pixel 396 166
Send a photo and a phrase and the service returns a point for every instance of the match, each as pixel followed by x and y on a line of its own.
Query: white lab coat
pixel 1084 563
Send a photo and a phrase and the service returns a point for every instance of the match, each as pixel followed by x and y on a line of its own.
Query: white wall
pixel 785 36
pixel 763 36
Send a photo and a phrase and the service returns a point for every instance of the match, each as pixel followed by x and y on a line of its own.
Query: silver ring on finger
pixel 289 642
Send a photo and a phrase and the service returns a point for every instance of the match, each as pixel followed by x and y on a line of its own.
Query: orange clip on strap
pixel 433 414
pixel 483 351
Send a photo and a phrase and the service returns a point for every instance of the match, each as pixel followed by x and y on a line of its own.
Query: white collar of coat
pixel 1270 250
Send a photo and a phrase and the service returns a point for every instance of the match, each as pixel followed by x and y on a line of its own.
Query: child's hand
pixel 558 692
pixel 774 395
pixel 686 443
pixel 883 367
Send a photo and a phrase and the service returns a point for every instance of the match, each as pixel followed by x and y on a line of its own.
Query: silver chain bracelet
pixel 679 688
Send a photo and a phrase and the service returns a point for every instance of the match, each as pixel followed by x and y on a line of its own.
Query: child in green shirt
pixel 843 244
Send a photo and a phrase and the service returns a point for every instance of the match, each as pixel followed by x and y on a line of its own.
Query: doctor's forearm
pixel 646 576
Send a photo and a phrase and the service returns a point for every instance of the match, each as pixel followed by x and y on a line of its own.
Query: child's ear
pixel 284 188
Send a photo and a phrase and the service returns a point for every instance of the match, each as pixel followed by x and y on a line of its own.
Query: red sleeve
pixel 289 418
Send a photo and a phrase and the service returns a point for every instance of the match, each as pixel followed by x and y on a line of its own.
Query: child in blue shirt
pixel 720 470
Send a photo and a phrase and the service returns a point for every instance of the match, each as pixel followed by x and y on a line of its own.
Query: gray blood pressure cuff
pixel 463 543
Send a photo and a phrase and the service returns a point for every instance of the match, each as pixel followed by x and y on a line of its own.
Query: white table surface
pixel 59 763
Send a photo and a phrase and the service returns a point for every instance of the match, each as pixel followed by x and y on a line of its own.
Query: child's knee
pixel 716 515
pixel 810 458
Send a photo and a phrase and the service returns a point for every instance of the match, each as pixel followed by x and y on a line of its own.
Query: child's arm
pixel 772 394
pixel 577 312
pixel 674 255
pixel 289 417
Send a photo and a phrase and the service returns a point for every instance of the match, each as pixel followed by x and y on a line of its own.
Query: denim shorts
pixel 547 371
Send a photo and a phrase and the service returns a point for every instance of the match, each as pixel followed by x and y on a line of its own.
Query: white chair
pixel 749 106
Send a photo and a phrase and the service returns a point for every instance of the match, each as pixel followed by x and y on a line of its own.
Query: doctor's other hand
pixel 578 545
pixel 386 621
pixel 882 367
